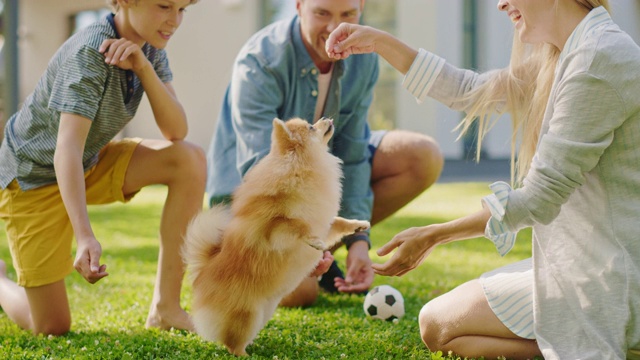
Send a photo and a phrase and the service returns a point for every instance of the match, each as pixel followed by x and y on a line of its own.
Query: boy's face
pixel 152 21
pixel 318 18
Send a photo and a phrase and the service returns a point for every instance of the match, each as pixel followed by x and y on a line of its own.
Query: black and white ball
pixel 384 302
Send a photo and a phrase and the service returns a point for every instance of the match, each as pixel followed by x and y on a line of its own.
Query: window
pixel 85 18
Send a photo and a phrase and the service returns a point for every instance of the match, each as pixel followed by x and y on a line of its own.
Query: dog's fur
pixel 283 215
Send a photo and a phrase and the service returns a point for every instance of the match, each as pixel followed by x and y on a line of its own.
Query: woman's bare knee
pixel 431 330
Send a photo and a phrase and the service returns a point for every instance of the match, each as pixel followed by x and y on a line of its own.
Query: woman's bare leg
pixel 462 321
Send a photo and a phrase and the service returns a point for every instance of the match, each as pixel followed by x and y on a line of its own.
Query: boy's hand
pixel 87 261
pixel 124 54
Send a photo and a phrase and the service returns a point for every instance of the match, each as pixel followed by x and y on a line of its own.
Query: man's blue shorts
pixel 374 142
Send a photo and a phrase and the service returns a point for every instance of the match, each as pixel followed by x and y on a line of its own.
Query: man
pixel 283 71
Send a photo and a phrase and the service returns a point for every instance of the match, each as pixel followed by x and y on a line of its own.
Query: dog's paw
pixel 361 225
pixel 316 244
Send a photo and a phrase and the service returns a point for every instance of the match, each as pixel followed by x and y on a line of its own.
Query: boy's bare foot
pixel 178 320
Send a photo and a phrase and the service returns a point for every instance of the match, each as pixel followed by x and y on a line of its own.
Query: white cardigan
pixel 581 195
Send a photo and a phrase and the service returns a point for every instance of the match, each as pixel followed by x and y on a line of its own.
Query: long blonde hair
pixel 526 83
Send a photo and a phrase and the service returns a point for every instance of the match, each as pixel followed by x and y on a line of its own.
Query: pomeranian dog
pixel 242 262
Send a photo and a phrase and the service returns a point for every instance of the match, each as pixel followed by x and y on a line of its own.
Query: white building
pixel 202 51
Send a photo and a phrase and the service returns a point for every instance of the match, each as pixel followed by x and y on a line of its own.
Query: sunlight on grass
pixel 447 201
pixel 109 316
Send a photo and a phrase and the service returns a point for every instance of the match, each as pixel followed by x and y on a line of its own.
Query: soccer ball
pixel 384 302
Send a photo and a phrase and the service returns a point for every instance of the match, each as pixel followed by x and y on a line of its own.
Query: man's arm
pixel 352 146
pixel 254 98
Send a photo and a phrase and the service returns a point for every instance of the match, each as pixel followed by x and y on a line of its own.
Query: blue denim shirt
pixel 274 76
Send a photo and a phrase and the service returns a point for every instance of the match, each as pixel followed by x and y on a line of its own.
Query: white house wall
pixel 201 55
pixel 437 26
pixel 434 25
pixel 43 28
pixel 202 51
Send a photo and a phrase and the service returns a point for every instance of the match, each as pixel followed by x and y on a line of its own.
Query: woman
pixel 572 92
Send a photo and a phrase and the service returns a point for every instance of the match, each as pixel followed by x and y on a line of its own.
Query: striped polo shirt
pixel 77 81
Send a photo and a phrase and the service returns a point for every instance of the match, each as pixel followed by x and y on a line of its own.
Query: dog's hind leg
pixel 341 227
pixel 242 327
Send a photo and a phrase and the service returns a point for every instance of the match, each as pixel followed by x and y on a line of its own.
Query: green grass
pixel 108 317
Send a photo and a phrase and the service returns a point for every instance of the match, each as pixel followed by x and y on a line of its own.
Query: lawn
pixel 108 318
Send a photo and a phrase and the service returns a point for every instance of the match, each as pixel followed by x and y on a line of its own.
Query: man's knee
pixel 304 295
pixel 428 161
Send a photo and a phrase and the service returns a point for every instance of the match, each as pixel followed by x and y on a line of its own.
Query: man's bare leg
pixel 404 165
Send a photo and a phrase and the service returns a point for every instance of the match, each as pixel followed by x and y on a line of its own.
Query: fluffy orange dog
pixel 283 216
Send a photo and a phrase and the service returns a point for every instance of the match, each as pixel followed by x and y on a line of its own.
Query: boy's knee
pixel 55 328
pixel 190 160
pixel 190 151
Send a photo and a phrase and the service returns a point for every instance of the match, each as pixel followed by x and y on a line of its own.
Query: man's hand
pixel 323 265
pixel 359 272
pixel 87 261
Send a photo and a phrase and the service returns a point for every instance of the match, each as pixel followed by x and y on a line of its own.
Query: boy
pixel 58 156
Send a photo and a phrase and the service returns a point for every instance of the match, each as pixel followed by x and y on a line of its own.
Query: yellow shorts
pixel 38 228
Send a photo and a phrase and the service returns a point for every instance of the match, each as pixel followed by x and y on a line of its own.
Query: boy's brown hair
pixel 114 4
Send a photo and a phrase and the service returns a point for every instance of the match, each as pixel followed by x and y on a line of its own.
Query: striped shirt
pixel 77 81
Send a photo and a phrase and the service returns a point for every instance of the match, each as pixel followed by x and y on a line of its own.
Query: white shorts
pixel 509 291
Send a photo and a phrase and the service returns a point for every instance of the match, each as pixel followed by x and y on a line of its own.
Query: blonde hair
pixel 526 83
pixel 113 4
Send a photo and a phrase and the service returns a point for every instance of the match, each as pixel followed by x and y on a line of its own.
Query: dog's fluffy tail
pixel 203 238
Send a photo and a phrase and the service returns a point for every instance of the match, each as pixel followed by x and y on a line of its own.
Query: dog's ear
pixel 281 136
